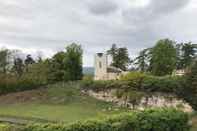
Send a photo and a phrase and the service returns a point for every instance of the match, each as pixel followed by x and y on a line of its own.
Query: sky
pixel 48 26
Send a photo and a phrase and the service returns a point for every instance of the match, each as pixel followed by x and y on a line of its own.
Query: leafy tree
pixel 179 63
pixel 38 73
pixel 4 60
pixel 57 67
pixel 192 76
pixel 73 62
pixel 28 61
pixel 18 66
pixel 188 53
pixel 142 61
pixel 190 90
pixel 163 60
pixel 120 57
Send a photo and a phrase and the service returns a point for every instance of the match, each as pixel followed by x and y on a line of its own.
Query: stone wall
pixel 153 100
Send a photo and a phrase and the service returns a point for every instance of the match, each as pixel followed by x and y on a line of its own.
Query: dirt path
pixel 22 121
pixel 22 97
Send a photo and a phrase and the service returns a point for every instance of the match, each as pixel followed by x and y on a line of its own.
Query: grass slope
pixel 60 102
pixel 194 122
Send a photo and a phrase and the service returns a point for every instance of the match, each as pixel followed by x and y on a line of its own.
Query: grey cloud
pixel 100 7
pixel 154 10
pixel 96 24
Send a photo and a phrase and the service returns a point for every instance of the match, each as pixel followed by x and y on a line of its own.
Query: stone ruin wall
pixel 155 100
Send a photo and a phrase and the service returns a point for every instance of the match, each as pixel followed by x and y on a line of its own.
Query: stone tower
pixel 101 64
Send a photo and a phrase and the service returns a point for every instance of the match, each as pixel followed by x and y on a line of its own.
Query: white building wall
pixel 101 64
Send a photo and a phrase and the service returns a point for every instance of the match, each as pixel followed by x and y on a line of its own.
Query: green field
pixel 194 122
pixel 59 102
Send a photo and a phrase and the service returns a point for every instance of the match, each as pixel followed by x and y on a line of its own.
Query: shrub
pixel 9 83
pixel 103 85
pixel 149 120
pixel 5 127
pixel 190 90
pixel 166 84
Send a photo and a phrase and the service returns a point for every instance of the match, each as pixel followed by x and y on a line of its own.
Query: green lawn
pixel 60 102
pixel 194 123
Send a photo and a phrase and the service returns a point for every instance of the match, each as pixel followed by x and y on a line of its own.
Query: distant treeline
pixel 161 59
pixel 18 74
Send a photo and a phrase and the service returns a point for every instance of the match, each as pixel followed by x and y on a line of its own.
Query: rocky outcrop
pixel 153 100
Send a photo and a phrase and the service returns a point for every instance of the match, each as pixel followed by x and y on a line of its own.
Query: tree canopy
pixel 163 60
pixel 120 57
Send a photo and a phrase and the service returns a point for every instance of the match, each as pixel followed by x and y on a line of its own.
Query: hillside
pixel 60 102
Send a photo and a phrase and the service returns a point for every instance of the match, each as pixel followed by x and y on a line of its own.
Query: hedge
pixel 5 127
pixel 147 83
pixel 10 84
pixel 148 120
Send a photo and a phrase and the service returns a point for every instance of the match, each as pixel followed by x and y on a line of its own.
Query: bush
pixel 190 90
pixel 9 83
pixel 149 120
pixel 5 127
pixel 103 85
pixel 139 81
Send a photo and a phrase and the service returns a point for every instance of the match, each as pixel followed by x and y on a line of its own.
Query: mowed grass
pixel 60 102
pixel 194 122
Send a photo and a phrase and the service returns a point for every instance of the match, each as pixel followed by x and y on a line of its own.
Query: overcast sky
pixel 50 25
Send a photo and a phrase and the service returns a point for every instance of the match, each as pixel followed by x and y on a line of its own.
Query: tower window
pixel 100 65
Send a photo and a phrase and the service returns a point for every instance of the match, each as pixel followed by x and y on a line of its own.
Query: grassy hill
pixel 61 102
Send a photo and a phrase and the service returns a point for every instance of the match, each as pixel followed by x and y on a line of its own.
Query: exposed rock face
pixel 154 100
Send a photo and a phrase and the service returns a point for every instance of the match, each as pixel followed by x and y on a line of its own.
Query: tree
pixel 18 66
pixel 73 62
pixel 163 60
pixel 28 61
pixel 179 63
pixel 57 69
pixel 188 53
pixel 120 57
pixel 190 89
pixel 192 76
pixel 4 60
pixel 142 61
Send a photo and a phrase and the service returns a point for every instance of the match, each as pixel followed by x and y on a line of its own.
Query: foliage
pixel 5 127
pixel 73 63
pixel 29 74
pixel 4 60
pixel 142 61
pixel 18 67
pixel 56 67
pixel 136 84
pixel 163 60
pixel 120 57
pixel 148 120
pixel 36 76
pixel 190 92
pixel 186 55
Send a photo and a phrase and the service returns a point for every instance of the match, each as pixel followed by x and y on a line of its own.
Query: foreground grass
pixel 194 122
pixel 60 102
